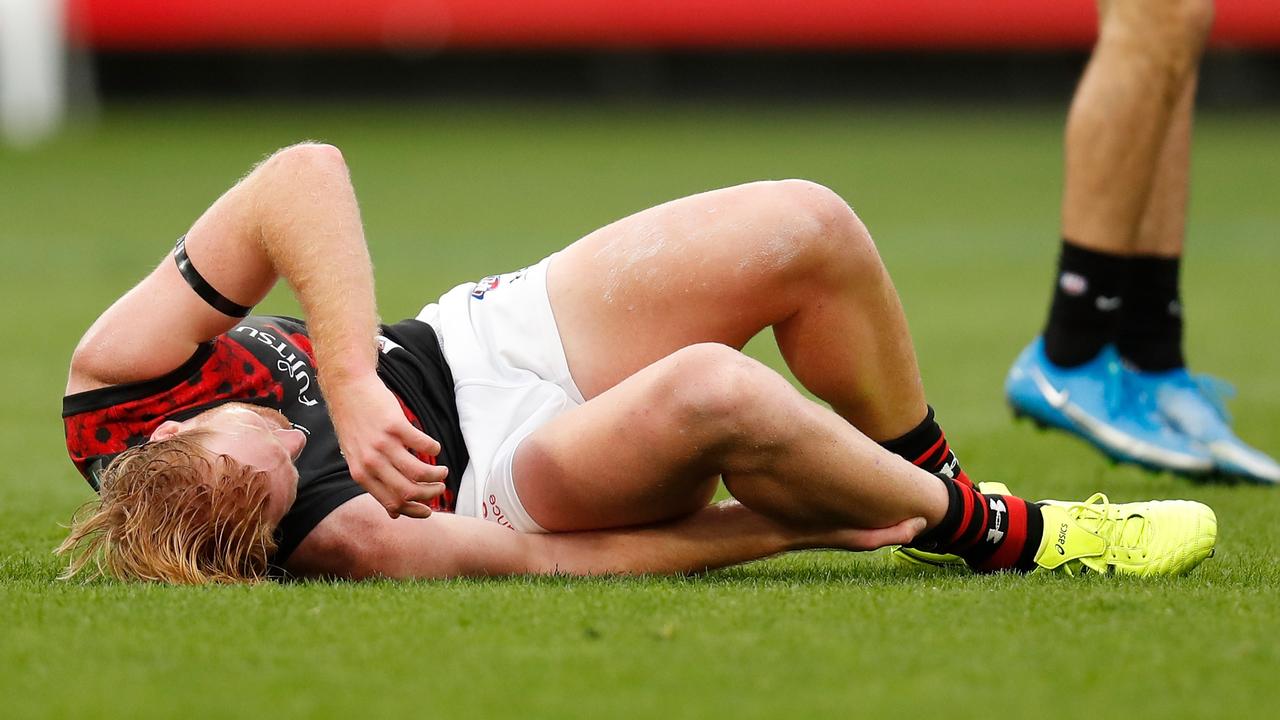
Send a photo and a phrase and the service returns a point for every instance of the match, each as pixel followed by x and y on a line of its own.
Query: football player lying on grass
pixel 572 417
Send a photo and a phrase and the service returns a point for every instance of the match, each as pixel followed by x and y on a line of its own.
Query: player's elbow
pixel 304 159
pixel 90 359
pixel 352 546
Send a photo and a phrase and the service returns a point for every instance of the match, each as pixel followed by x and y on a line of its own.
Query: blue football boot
pixel 1195 406
pixel 1093 402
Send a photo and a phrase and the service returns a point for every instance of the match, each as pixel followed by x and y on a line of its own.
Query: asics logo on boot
pixel 1062 539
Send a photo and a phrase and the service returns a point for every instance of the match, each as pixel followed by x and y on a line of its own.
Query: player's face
pixel 262 439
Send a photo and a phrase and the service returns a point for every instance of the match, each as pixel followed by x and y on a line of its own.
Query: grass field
pixel 963 203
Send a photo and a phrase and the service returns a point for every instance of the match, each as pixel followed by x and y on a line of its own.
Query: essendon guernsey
pixel 268 361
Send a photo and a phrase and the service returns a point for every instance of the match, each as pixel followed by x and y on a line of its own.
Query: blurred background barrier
pixel 56 54
pixel 32 77
pixel 827 24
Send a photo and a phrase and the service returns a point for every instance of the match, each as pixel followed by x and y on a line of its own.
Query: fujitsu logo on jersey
pixel 288 363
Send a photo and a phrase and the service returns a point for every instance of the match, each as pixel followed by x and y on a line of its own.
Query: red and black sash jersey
pixel 268 361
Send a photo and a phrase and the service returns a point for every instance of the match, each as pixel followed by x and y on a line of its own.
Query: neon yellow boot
pixel 1160 537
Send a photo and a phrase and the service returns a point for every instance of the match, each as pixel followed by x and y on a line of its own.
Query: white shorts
pixel 510 377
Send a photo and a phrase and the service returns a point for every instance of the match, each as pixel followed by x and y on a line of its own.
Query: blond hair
pixel 170 511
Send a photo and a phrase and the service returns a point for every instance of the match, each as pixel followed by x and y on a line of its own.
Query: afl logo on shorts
pixel 485 285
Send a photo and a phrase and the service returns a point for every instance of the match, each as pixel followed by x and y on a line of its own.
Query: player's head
pixel 197 503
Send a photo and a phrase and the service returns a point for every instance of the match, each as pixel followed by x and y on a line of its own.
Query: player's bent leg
pixel 651 448
pixel 720 267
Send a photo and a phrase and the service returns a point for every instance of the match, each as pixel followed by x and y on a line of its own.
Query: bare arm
pixel 358 541
pixel 294 216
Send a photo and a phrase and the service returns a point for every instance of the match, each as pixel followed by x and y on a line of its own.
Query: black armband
pixel 216 300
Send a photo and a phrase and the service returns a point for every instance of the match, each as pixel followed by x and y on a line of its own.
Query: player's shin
pixel 926 447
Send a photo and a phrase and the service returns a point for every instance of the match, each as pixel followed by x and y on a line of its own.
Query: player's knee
pixel 1176 28
pixel 1194 17
pixel 826 232
pixel 824 212
pixel 716 391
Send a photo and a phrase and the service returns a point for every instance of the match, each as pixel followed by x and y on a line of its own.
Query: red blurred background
pixel 603 24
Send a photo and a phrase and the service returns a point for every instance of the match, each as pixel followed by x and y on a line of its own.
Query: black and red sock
pixel 926 447
pixel 991 532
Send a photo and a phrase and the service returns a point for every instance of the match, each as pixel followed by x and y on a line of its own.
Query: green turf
pixel 963 202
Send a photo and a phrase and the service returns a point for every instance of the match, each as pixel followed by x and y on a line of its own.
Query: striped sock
pixel 926 447
pixel 991 532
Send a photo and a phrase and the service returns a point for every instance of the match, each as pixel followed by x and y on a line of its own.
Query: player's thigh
pixel 715 267
pixel 646 450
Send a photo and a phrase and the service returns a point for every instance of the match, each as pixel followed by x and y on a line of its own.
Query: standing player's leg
pixel 1149 336
pixel 1127 140
pixel 1142 68
pixel 1148 330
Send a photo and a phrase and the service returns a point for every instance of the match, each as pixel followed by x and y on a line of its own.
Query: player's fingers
pixel 385 496
pixel 415 510
pixel 415 470
pixel 899 534
pixel 392 489
pixel 416 440
pixel 420 494
pixel 366 476
pixel 411 497
pixel 427 493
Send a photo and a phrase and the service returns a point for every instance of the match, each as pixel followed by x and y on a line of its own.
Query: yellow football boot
pixel 910 557
pixel 1161 537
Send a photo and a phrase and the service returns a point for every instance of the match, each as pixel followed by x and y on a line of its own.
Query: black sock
pixel 926 447
pixel 1083 317
pixel 1150 329
pixel 991 532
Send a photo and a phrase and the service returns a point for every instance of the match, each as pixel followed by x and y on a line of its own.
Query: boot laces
pixel 1126 534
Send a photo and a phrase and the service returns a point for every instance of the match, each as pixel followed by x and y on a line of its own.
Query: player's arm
pixel 358 541
pixel 295 217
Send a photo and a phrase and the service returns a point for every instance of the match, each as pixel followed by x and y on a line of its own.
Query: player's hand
pixel 377 440
pixel 900 534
